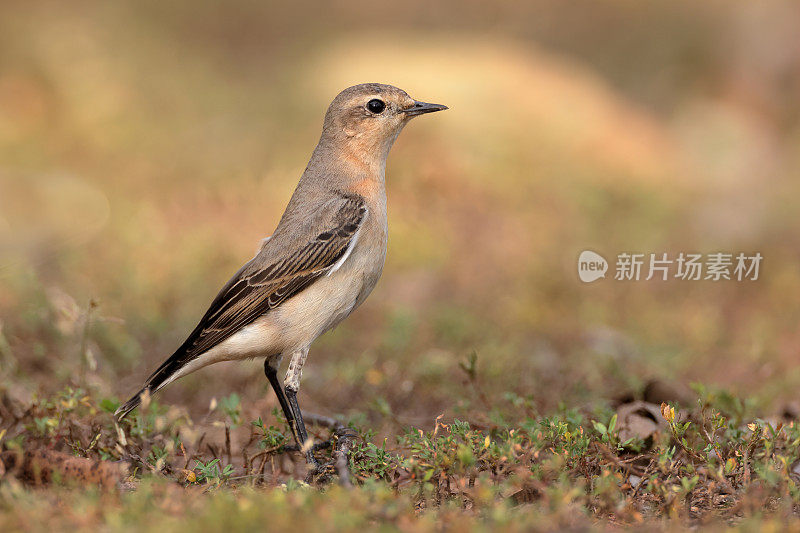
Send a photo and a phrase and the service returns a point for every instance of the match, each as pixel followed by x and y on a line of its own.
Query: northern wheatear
pixel 322 260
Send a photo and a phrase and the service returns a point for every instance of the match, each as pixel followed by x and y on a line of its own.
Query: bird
pixel 321 262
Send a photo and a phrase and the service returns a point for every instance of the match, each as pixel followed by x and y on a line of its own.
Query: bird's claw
pixel 341 441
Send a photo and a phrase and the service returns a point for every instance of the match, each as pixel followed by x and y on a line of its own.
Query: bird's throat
pixel 365 158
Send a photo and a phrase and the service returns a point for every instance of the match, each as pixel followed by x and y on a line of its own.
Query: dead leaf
pixel 38 467
pixel 639 420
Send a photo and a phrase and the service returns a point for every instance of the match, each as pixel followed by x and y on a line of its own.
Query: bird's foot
pixel 342 441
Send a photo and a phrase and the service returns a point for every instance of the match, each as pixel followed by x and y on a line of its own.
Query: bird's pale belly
pixel 301 319
pixel 328 301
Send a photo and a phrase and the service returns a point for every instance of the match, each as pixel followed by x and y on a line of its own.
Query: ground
pixel 513 469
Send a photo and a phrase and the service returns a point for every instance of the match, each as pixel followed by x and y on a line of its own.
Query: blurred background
pixel 146 147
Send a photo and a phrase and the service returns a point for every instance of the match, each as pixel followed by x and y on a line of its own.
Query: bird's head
pixel 368 117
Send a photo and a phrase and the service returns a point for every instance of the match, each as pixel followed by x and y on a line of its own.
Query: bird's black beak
pixel 420 108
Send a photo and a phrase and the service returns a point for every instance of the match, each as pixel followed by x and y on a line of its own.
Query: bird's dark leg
pixel 291 396
pixel 291 385
pixel 291 410
pixel 272 376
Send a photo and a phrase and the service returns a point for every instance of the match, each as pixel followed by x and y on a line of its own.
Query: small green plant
pixel 271 437
pixel 231 407
pixel 210 472
pixel 374 461
pixel 157 456
pixel 109 405
pixel 45 426
pixel 606 432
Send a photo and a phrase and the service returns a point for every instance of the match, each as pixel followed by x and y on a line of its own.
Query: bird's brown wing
pixel 263 285
pixel 257 289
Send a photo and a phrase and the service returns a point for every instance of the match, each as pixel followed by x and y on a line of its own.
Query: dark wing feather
pixel 254 290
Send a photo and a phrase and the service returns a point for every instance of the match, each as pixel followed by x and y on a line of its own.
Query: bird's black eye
pixel 376 106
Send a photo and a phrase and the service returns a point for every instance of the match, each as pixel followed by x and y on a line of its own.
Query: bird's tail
pixel 123 410
pixel 163 375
